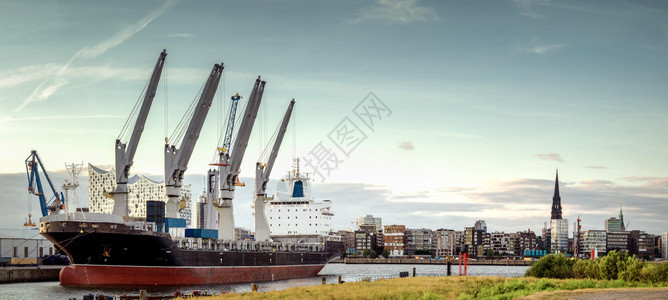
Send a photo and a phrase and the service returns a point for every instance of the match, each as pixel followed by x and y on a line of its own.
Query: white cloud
pixel 406 146
pixel 527 7
pixel 181 35
pixel 398 11
pixel 25 74
pixel 49 86
pixel 535 47
pixel 544 49
pixel 67 117
pixel 126 33
pixel 551 156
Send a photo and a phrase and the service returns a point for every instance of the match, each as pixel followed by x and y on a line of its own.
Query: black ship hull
pixel 116 254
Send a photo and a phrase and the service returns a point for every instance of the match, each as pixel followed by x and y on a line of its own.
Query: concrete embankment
pixel 29 274
pixel 488 262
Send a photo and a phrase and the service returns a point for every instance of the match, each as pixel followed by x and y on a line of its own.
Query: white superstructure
pixel 140 190
pixel 294 214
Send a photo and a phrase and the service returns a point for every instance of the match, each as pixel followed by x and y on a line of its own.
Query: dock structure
pixel 29 274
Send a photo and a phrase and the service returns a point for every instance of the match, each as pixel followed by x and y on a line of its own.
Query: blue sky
pixel 488 98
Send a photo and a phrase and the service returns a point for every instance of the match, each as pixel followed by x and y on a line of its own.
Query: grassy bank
pixel 454 287
pixel 550 273
pixel 615 265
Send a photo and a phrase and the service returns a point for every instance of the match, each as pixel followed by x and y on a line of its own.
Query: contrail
pixel 67 117
pixel 50 85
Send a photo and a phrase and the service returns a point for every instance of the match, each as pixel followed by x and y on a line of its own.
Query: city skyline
pixel 345 209
pixel 487 100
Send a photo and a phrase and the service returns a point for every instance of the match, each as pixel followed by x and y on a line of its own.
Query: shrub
pixel 386 253
pixel 632 270
pixel 612 264
pixel 591 269
pixel 654 272
pixel 545 284
pixel 616 266
pixel 552 266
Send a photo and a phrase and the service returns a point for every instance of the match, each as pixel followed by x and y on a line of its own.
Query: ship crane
pixel 262 172
pixel 230 124
pixel 125 153
pixel 212 177
pixel 55 203
pixel 176 159
pixel 230 162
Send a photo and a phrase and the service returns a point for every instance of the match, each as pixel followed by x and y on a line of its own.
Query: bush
pixel 386 253
pixel 654 272
pixel 632 270
pixel 552 266
pixel 545 284
pixel 585 269
pixel 612 264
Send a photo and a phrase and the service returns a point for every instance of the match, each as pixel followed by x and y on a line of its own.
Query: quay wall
pixel 486 262
pixel 29 274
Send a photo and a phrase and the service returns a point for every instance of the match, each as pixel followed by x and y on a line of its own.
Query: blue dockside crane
pixel 230 124
pixel 55 203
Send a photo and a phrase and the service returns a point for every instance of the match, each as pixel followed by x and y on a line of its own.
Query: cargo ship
pixel 106 251
pixel 128 246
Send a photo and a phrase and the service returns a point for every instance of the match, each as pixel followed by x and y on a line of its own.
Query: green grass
pixel 615 265
pixel 550 273
pixel 454 287
pixel 518 287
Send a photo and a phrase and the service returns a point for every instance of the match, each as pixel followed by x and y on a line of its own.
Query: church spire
pixel 621 217
pixel 556 200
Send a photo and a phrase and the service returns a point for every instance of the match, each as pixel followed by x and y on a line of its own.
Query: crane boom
pixel 262 172
pixel 55 204
pixel 230 162
pixel 125 153
pixel 176 159
pixel 241 142
pixel 230 123
pixel 261 188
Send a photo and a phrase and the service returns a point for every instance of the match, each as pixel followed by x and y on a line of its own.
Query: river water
pixel 348 272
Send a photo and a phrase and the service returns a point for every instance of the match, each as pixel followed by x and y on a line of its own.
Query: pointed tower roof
pixel 621 217
pixel 556 200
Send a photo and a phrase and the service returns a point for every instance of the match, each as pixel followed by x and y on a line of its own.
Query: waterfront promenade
pixel 413 261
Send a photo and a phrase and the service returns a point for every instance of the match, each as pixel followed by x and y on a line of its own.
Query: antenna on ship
pixel 70 186
pixel 296 166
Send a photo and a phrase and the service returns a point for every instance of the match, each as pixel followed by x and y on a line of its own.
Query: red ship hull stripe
pixel 79 275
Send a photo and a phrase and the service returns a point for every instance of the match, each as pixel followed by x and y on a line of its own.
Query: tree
pixel 366 252
pixel 373 254
pixel 386 253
